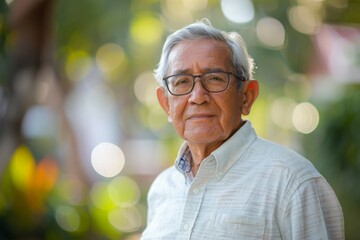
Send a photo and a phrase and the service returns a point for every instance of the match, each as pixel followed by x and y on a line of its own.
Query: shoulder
pixel 291 164
pixel 168 179
pixel 164 176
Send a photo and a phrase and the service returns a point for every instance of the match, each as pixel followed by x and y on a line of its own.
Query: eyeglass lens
pixel 184 83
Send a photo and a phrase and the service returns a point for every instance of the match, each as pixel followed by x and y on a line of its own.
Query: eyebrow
pixel 205 70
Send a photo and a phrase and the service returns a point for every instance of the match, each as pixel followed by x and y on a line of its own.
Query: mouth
pixel 199 116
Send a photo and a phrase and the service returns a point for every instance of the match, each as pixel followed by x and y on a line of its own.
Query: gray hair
pixel 242 62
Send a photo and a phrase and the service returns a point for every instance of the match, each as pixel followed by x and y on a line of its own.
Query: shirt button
pixel 195 190
pixel 186 226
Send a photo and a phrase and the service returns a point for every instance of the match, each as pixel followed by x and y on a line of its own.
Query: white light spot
pixel 281 111
pixel 145 89
pixel 305 117
pixel 270 32
pixel 304 20
pixel 238 11
pixel 195 5
pixel 107 159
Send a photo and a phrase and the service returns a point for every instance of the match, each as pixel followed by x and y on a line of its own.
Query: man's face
pixel 201 117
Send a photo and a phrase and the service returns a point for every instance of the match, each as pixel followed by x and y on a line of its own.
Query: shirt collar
pixel 225 156
pixel 231 150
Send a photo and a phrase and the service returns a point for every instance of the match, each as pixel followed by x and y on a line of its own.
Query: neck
pixel 199 152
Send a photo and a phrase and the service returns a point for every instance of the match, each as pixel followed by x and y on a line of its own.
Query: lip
pixel 199 116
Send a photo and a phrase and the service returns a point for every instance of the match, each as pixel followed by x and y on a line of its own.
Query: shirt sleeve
pixel 313 212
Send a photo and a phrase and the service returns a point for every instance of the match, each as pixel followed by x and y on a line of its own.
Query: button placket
pixel 194 199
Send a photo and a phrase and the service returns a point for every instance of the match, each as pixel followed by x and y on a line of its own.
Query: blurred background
pixel 82 135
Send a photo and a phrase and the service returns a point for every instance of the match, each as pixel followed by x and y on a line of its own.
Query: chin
pixel 203 138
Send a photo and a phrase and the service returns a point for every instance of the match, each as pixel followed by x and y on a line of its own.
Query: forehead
pixel 199 54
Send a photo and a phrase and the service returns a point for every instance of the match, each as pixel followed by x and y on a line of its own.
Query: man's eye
pixel 182 81
pixel 215 78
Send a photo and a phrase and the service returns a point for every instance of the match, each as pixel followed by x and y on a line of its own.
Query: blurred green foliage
pixel 334 149
pixel 81 27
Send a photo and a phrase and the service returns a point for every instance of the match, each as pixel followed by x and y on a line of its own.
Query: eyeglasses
pixel 214 82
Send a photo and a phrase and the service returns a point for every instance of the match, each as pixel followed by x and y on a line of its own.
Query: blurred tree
pixel 28 49
pixel 36 32
pixel 334 147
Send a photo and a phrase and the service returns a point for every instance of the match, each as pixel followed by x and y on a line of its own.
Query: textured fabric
pixel 248 188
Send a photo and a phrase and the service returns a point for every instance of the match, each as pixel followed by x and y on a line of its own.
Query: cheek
pixel 173 108
pixel 176 110
pixel 231 112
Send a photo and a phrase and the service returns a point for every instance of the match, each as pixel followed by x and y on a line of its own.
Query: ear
pixel 163 99
pixel 250 90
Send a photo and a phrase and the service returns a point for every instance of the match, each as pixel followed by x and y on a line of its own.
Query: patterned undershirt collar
pixel 184 164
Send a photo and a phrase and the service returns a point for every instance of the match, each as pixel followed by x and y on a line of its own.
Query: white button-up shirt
pixel 248 188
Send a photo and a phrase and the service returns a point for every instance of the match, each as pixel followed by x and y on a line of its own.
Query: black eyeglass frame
pixel 241 78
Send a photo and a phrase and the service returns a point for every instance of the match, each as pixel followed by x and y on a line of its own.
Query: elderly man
pixel 227 183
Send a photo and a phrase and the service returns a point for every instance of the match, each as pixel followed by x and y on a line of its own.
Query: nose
pixel 199 94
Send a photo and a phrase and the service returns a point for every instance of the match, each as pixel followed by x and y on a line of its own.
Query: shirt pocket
pixel 241 227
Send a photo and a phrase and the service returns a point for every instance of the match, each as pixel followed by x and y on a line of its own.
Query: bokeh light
pixel 78 64
pixel 126 219
pixel 304 19
pixel 103 225
pixel 22 166
pixel 45 175
pixel 39 121
pixel 270 32
pixel 117 203
pixel 135 236
pixel 195 5
pixel 109 57
pixel 153 116
pixel 281 111
pixel 176 13
pixel 305 117
pixel 157 122
pixel 145 88
pixel 67 218
pixel 146 29
pixel 107 159
pixel 71 190
pixel 124 191
pixel 238 11
pixel 100 197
